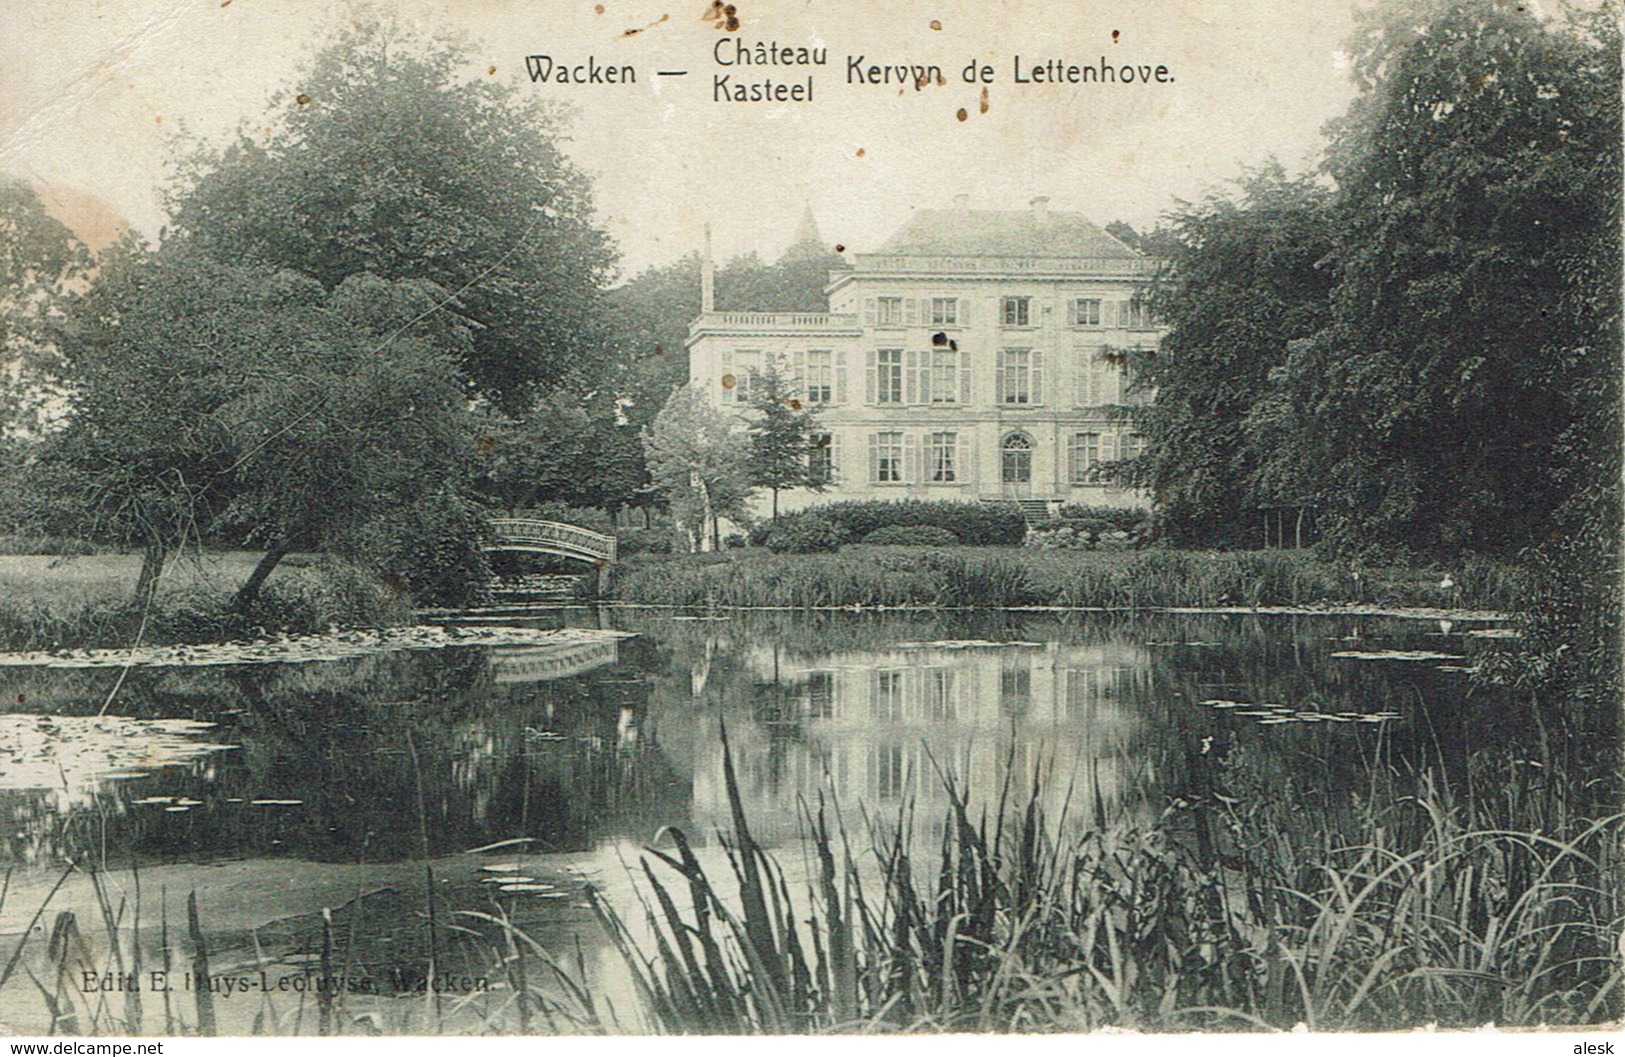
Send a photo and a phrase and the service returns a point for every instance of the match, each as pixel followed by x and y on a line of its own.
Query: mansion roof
pixel 1003 233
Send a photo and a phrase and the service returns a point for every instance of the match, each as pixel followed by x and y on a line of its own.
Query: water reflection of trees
pixel 365 746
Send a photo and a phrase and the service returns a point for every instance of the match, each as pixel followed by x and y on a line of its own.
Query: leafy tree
pixel 1245 282
pixel 234 401
pixel 561 451
pixel 1475 311
pixel 388 160
pixel 696 461
pixel 40 262
pixel 781 438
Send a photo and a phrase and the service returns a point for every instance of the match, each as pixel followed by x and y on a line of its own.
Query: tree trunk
pixel 775 506
pixel 152 567
pixel 251 587
pixel 646 525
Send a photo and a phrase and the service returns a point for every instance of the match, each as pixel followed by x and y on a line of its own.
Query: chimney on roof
pixel 961 201
pixel 708 276
pixel 1040 208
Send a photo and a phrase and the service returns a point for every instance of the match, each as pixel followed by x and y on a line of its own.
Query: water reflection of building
pixel 881 728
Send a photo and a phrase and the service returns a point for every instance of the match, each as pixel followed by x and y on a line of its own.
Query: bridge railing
pixel 528 530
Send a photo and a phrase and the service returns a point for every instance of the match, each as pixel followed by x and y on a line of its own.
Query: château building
pixel 975 355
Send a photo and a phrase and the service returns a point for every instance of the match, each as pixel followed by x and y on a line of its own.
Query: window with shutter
pixel 728 379
pixel 911 378
pixel 1108 313
pixel 834 459
pixel 840 376
pixel 963 466
pixel 869 312
pixel 962 310
pixel 911 458
pixel 942 458
pixel 888 375
pixel 942 384
pixel 911 311
pixel 1037 396
pixel 966 381
pixel 869 376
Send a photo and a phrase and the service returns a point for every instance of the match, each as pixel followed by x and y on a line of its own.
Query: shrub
pixel 803 534
pixel 911 536
pixel 1121 518
pixel 645 541
pixel 976 524
pixel 430 550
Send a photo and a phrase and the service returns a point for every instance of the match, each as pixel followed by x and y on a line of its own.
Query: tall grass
pixel 996 577
pixel 1019 922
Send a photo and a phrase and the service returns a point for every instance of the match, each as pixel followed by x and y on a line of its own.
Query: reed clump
pixel 995 577
pixel 1009 920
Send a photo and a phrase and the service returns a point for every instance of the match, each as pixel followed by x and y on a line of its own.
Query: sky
pixel 94 95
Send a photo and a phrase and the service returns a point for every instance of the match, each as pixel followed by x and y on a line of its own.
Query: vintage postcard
pixel 664 518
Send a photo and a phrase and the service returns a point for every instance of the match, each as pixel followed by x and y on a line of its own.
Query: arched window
pixel 1017 462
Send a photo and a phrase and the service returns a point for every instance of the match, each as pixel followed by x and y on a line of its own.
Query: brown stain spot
pixel 793 404
pixel 225 3
pixel 983 105
pixel 1115 35
pixel 861 152
pixel 729 381
pixel 302 99
pixel 660 350
pixel 963 114
pixel 635 30
pixel 158 119
pixel 723 16
pixel 23 698
pixel 823 441
pixel 936 24
pixel 839 248
pixel 492 71
pixel 485 444
pixel 598 9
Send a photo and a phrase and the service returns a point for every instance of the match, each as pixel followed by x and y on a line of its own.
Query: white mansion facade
pixel 973 356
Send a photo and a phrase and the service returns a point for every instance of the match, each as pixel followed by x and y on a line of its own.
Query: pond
pixel 364 785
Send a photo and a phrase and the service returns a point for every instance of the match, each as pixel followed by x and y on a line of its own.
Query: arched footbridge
pixel 534 536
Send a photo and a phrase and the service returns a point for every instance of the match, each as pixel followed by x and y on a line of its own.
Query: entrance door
pixel 1016 465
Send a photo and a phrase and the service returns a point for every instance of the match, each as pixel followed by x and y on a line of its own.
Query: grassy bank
pixel 51 602
pixel 1013 576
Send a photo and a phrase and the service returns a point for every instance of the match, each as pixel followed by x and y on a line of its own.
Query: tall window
pixel 1100 381
pixel 739 367
pixel 891 312
pixel 939 454
pixel 889 376
pixel 1131 446
pixel 944 379
pixel 887 457
pixel 820 376
pixel 1084 454
pixel 1137 314
pixel 944 311
pixel 1015 376
pixel 1015 311
pixel 1015 686
pixel 820 695
pixel 821 458
pixel 1016 459
pixel 1083 312
pixel 886 772
pixel 886 704
pixel 939 694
